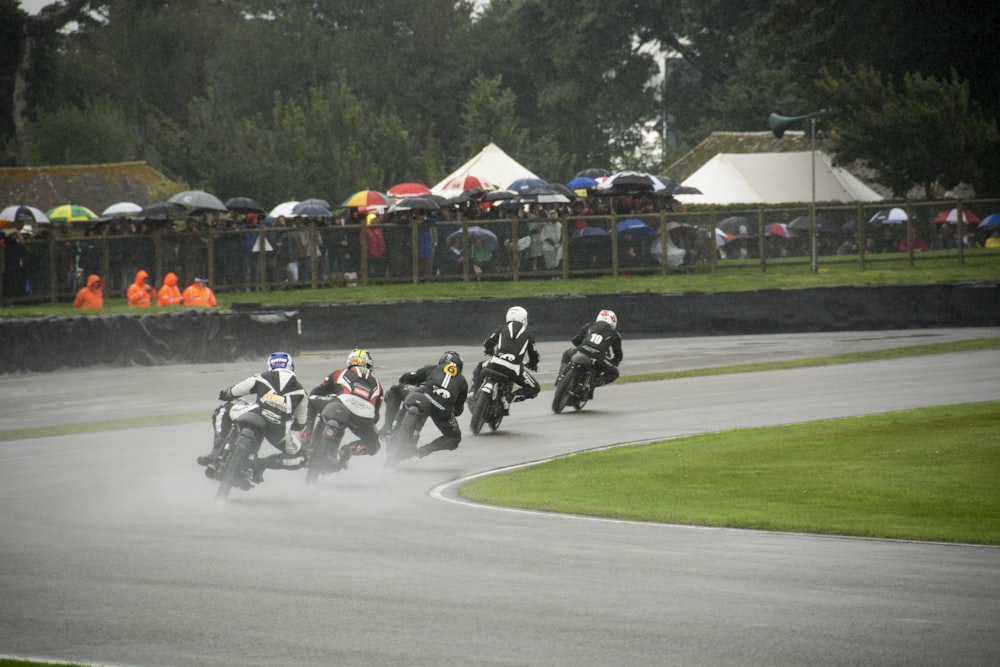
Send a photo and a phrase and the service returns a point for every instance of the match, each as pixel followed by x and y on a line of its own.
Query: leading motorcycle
pixel 576 384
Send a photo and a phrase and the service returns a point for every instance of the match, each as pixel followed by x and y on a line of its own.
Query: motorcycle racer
pixel 507 348
pixel 444 383
pixel 358 380
pixel 279 383
pixel 600 341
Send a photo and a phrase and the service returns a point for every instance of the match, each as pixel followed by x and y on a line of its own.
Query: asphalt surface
pixel 113 551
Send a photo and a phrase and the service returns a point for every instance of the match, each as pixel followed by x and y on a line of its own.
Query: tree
pixel 98 133
pixel 36 31
pixel 925 132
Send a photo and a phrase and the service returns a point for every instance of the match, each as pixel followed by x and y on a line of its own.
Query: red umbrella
pixel 404 190
pixel 951 216
pixel 779 229
pixel 467 182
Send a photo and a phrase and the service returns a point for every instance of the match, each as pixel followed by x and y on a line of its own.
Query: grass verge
pixel 927 474
pixel 731 276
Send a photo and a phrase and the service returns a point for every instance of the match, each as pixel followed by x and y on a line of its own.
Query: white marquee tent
pixel 774 178
pixel 493 168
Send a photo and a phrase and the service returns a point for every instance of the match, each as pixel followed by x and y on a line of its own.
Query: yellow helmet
pixel 362 360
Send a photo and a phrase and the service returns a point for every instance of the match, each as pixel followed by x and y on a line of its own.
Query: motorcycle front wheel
pixel 480 406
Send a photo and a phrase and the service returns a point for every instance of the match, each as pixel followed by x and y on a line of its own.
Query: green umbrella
pixel 71 213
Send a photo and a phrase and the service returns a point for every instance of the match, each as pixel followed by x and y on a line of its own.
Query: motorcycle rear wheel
pixel 233 469
pixel 402 440
pixel 317 463
pixel 564 391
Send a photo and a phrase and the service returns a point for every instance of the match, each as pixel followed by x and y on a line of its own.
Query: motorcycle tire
pixel 480 408
pixel 402 440
pixel 564 391
pixel 317 462
pixel 232 470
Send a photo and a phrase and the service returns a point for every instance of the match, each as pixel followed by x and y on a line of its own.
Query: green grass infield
pixel 928 474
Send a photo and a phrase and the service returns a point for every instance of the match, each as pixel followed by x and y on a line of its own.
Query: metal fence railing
pixel 51 267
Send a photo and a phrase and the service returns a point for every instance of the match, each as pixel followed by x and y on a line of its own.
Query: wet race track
pixel 114 552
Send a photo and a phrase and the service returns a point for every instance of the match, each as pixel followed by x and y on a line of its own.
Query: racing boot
pixel 348 450
pixel 209 458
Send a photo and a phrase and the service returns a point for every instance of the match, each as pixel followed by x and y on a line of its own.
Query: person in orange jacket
pixel 140 293
pixel 199 293
pixel 169 294
pixel 91 296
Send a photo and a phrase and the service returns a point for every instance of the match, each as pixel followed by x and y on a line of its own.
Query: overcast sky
pixel 32 6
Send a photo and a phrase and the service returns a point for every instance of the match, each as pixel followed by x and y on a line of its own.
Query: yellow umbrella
pixel 71 213
pixel 367 198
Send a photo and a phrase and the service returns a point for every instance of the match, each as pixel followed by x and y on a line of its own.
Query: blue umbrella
pixel 582 183
pixel 523 185
pixel 636 226
pixel 992 220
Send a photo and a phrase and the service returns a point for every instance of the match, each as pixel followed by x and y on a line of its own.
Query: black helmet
pixel 451 357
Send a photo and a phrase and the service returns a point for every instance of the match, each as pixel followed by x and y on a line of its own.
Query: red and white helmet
pixel 609 317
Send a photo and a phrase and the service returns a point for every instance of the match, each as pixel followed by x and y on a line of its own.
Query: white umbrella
pixel 895 216
pixel 286 209
pixel 122 209
pixel 23 214
pixel 198 199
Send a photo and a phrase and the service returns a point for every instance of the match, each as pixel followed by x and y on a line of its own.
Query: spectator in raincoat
pixel 169 294
pixel 199 294
pixel 140 293
pixel 91 296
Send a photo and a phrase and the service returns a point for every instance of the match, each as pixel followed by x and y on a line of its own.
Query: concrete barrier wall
pixel 49 344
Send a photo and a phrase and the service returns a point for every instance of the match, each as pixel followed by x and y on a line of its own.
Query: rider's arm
pixel 415 377
pixel 301 415
pixel 490 344
pixel 616 349
pixel 533 356
pixel 241 388
pixel 463 394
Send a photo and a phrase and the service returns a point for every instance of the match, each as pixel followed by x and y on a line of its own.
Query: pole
pixel 812 206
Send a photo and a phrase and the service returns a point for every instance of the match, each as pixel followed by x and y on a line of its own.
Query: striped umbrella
pixel 367 198
pixel 71 213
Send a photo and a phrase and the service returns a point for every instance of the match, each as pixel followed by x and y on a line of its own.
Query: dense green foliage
pixel 322 98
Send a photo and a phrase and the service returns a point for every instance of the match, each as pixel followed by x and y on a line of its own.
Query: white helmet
pixel 609 317
pixel 517 314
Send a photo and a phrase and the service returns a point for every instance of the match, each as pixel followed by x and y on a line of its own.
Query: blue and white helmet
pixel 280 360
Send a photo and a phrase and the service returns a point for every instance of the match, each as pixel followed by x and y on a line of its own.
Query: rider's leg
pixel 450 436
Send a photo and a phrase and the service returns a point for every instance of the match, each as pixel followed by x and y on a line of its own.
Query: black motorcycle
pixel 491 401
pixel 335 417
pixel 413 414
pixel 576 384
pixel 234 466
